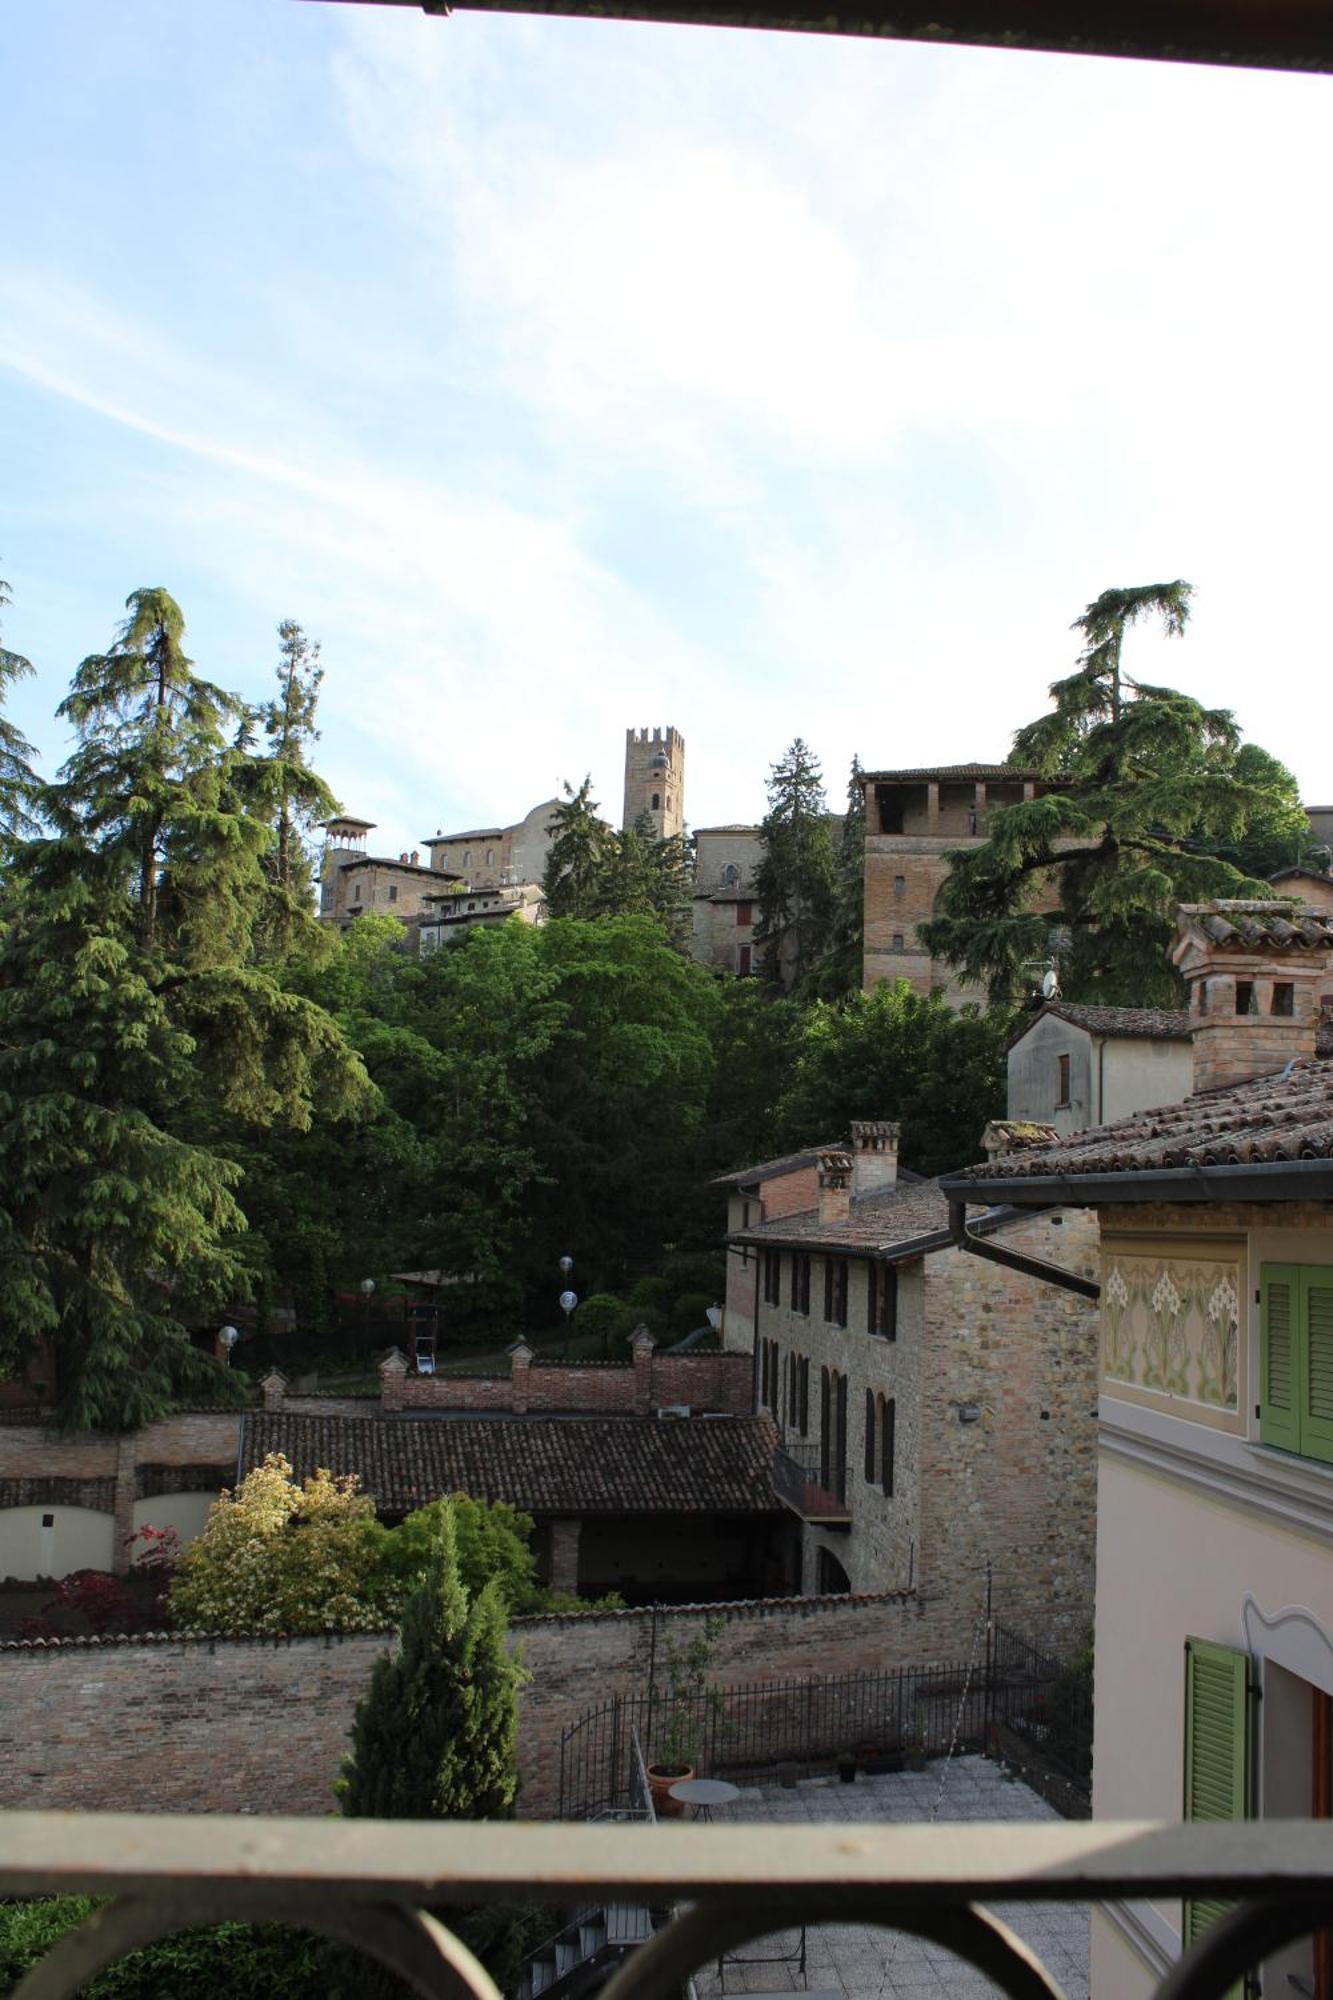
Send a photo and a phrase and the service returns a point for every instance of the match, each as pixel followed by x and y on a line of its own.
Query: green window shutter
pixel 1279 1342
pixel 1316 1355
pixel 1218 1752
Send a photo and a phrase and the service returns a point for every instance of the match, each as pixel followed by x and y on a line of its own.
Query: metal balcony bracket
pixel 661 1968
pixel 432 1961
pixel 1214 1966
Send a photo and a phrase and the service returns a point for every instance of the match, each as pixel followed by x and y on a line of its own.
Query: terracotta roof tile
pixel 1017 771
pixel 546 1465
pixel 876 1223
pixel 1276 926
pixel 1287 1116
pixel 1166 1024
pixel 786 1163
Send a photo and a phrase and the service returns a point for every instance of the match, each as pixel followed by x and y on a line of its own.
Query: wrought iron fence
pixel 814 1486
pixel 878 1717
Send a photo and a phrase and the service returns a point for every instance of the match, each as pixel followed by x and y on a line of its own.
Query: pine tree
pixel 17 782
pixel 839 972
pixel 140 1045
pixel 289 794
pixel 1149 791
pixel 576 860
pixel 435 1737
pixel 794 879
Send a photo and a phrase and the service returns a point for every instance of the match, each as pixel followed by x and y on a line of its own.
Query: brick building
pixel 936 1410
pixel 913 818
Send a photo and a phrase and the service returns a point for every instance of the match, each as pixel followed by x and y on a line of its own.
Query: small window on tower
pixel 1284 997
pixel 898 941
pixel 1245 996
pixel 900 885
pixel 393 892
pixel 657 801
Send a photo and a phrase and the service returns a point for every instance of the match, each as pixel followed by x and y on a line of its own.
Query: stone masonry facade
pixel 260 1726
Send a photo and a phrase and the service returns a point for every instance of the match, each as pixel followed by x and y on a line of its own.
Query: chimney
pixel 1256 972
pixel 835 1187
pixel 874 1155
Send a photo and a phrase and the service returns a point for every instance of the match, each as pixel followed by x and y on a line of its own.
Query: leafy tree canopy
pixel 1150 796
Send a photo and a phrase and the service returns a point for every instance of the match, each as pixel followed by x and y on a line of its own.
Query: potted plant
pixel 687 1706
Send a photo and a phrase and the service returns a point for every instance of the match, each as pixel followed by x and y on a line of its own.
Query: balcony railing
pixel 375 1884
pixel 802 1483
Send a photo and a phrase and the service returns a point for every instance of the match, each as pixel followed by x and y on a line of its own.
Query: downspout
pixel 1014 1260
pixel 1101 1080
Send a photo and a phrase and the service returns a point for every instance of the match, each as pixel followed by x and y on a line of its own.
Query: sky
pixel 567 376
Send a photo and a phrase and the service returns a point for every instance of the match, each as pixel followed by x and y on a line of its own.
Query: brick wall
pixel 260 1726
pixel 704 1381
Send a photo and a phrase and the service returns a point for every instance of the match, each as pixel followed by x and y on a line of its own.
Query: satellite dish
pixel 1050 984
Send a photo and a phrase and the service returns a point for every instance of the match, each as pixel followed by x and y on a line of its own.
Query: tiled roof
pixel 1164 1024
pixel 788 1163
pixel 953 771
pixel 1267 927
pixel 546 1465
pixel 876 1224
pixel 1287 1116
pixel 1009 1134
pixel 1304 874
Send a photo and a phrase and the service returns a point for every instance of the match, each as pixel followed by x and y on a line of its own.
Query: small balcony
pixel 807 1482
pixel 387 1887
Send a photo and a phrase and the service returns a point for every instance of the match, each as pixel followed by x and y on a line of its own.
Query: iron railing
pixel 900 1711
pixel 383 1886
pixel 812 1488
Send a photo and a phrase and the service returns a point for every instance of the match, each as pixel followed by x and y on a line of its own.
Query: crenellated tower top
pixel 655 779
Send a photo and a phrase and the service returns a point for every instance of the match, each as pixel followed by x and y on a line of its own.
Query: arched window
pixel 870 1437
pixel 731 875
pixel 657 801
pixel 490 857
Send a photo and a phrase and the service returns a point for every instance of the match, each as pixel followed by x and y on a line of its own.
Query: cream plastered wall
pixel 1172 1308
pixel 77 1538
pixel 185 1512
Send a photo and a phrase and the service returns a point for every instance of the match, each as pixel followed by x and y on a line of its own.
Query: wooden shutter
pixel 1279 1371
pixel 1316 1358
pixel 1218 1752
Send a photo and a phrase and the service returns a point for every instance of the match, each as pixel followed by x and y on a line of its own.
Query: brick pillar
pixel 520 1376
pixel 393 1375
pixel 933 811
pixel 274 1386
pixel 122 1527
pixel 565 1554
pixel 642 1344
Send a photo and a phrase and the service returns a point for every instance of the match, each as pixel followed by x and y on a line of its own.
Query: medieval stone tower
pixel 655 779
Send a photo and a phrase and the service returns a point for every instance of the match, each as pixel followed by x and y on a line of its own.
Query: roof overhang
pixel 1279 1180
pixel 1257 34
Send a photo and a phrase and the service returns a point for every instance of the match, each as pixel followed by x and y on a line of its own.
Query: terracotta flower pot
pixel 661 1778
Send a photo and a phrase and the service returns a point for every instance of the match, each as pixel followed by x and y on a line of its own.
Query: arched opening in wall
pixel 831 1579
pixel 657 801
pixel 52 1539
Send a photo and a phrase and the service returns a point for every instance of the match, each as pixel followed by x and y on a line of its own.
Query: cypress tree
pixel 794 879
pixel 435 1735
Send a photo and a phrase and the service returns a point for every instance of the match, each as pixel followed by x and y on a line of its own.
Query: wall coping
pixel 730 1610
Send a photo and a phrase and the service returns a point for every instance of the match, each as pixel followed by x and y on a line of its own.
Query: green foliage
pixel 297 1558
pixel 605 1318
pixel 592 871
pixel 17 781
pixel 574 860
pixel 794 882
pixel 291 797
pixel 689 1311
pixel 435 1736
pixel 1151 792
pixel 141 1045
pixel 839 971
pixel 688 1703
pixel 893 1053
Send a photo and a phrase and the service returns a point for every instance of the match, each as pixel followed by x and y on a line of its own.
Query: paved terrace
pixel 870 1964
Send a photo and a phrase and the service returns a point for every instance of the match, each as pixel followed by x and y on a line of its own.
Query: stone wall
pixel 260 1725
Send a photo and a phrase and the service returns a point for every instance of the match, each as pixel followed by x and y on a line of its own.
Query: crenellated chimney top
pixel 835 1187
pixel 874 1154
pixel 1258 973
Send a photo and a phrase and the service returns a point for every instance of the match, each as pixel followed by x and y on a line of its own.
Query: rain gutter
pixel 1015 1260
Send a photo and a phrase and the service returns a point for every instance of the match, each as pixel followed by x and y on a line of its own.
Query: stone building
pixel 655 780
pixel 725 860
pixel 913 818
pixel 1214 1627
pixel 353 882
pixel 936 1408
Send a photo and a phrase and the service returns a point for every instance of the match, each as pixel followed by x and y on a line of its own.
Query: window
pixel 825 1428
pixel 900 885
pixel 800 1281
pixel 393 892
pixel 772 1277
pixel 833 1432
pixel 1284 997
pixel 743 961
pixel 835 1290
pixel 870 1437
pixel 1245 996
pixel 793 1391
pixel 840 1437
pixel 882 1300
pixel 657 801
pixel 888 1413
pixel 898 941
pixel 769 1375
pixel 731 875
pixel 490 857
pixel 1296 1358
pixel 1062 1067
pixel 744 914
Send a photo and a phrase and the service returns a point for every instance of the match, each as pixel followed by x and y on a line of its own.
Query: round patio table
pixel 702 1794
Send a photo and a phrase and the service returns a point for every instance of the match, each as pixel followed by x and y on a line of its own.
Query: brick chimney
pixel 835 1186
pixel 1256 974
pixel 274 1386
pixel 393 1376
pixel 874 1154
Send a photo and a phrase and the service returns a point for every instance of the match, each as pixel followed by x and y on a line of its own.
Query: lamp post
pixel 568 1300
pixel 228 1337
